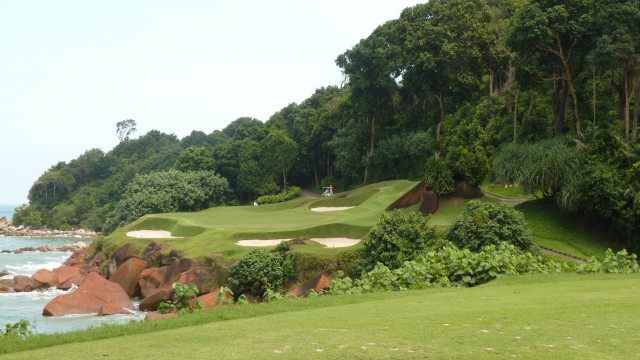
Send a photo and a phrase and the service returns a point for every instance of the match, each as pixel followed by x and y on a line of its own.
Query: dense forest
pixel 543 94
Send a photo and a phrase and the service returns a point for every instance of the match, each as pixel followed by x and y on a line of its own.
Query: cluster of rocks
pixel 48 248
pixel 7 229
pixel 127 276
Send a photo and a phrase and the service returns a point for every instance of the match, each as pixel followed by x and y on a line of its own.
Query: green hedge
pixel 290 194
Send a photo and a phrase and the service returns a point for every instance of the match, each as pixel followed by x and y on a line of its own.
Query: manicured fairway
pixel 534 317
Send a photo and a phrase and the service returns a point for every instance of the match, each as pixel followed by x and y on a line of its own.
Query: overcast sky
pixel 70 70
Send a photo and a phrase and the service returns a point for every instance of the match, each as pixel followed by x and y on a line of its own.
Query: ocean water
pixel 17 306
pixel 7 210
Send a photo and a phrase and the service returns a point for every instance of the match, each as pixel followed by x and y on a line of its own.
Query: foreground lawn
pixel 538 316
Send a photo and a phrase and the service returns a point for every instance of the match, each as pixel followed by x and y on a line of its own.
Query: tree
pixel 279 152
pixel 195 158
pixel 371 67
pixel 550 31
pixel 125 128
pixel 618 48
pixel 447 46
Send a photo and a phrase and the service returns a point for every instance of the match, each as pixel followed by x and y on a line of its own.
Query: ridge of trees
pixel 448 84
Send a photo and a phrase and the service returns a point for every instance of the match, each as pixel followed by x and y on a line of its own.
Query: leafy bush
pixel 448 266
pixel 182 300
pixel 397 237
pixel 291 193
pixel 21 329
pixel 620 262
pixel 439 178
pixel 466 165
pixel 483 223
pixel 256 272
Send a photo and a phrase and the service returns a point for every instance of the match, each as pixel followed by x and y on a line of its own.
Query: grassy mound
pixel 215 231
pixel 536 316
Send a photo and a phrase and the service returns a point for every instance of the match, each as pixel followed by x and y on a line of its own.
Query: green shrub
pixel 466 165
pixel 182 300
pixel 620 262
pixel 256 272
pixel 291 193
pixel 397 237
pixel 484 223
pixel 439 178
pixel 448 266
pixel 21 329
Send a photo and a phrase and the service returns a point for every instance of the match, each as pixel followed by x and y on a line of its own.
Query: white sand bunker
pixel 260 242
pixel 332 208
pixel 151 234
pixel 328 242
pixel 336 242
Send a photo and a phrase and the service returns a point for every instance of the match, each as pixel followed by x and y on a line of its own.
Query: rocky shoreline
pixel 7 229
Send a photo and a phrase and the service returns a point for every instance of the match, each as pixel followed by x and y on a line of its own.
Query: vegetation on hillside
pixel 446 85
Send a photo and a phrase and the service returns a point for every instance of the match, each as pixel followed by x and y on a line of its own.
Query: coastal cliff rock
pixel 162 278
pixel 94 292
pixel 156 284
pixel 85 261
pixel 127 275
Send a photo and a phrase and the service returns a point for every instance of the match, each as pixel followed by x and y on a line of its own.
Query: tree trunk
pixel 284 180
pixel 628 92
pixel 439 126
pixel 371 147
pixel 560 97
pixel 593 79
pixel 576 110
pixel 515 118
pixel 636 110
pixel 491 76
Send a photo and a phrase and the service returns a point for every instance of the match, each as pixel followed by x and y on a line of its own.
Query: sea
pixel 29 306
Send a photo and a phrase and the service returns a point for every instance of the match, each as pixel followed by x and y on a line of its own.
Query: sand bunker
pixel 332 208
pixel 260 242
pixel 151 234
pixel 336 242
pixel 328 242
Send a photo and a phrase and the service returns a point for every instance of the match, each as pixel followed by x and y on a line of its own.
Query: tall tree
pixel 448 45
pixel 279 153
pixel 559 33
pixel 618 48
pixel 125 128
pixel 371 67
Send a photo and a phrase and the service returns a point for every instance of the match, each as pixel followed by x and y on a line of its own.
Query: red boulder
pixel 154 315
pixel 110 309
pixel 68 276
pixel 127 275
pixel 22 283
pixel 44 279
pixel 94 292
pixel 318 283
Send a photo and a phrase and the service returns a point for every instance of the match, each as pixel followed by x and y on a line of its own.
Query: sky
pixel 70 70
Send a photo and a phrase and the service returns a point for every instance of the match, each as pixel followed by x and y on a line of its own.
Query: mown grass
pixel 555 230
pixel 511 191
pixel 565 316
pixel 216 230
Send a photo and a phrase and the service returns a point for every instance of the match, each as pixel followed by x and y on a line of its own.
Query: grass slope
pixel 555 230
pixel 537 316
pixel 214 231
